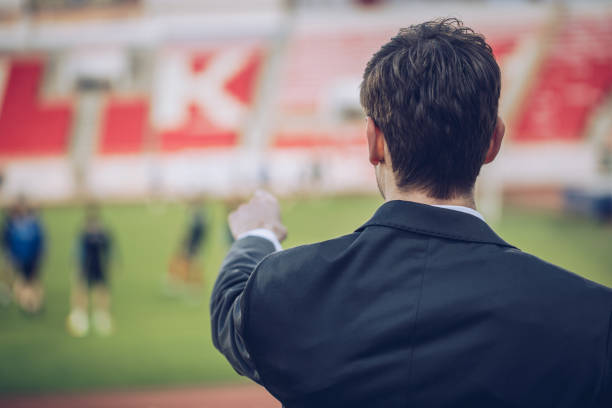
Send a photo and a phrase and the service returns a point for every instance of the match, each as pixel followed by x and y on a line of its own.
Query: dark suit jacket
pixel 420 307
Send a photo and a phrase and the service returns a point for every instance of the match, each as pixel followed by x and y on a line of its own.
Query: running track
pixel 247 396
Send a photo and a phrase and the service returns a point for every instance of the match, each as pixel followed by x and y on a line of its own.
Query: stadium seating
pixel 307 84
pixel 197 132
pixel 242 85
pixel 199 128
pixel 28 125
pixel 318 68
pixel 572 82
pixel 316 61
pixel 124 126
pixel 502 46
pixel 318 139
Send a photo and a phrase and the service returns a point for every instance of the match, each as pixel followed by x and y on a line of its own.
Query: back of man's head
pixel 433 91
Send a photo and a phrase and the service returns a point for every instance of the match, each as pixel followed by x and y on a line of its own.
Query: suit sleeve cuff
pixel 263 233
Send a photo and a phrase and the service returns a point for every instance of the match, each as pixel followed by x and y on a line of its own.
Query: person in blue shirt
pixel 23 243
pixel 94 251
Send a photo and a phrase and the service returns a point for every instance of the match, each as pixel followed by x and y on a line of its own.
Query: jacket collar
pixel 436 221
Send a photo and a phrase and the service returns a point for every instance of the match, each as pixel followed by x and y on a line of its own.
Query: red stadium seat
pixel 242 85
pixel 29 126
pixel 124 126
pixel 315 139
pixel 572 82
pixel 197 132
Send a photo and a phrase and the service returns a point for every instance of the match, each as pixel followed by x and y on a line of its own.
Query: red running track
pixel 247 396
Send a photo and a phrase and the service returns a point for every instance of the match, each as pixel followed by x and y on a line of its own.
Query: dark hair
pixel 433 91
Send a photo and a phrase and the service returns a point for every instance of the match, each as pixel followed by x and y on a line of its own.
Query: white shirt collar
pixel 463 209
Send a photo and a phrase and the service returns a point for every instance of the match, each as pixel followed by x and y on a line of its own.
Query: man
pixel 424 305
pixel 94 246
pixel 184 274
pixel 24 242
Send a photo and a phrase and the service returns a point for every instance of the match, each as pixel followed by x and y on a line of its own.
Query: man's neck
pixel 387 185
pixel 421 197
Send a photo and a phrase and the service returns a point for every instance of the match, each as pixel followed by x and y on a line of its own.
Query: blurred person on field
pixel 23 242
pixel 424 305
pixel 94 248
pixel 184 273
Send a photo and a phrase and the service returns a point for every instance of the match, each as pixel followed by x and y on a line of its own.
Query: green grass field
pixel 166 341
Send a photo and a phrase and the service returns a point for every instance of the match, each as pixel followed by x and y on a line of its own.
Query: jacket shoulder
pixel 544 272
pixel 294 276
pixel 283 266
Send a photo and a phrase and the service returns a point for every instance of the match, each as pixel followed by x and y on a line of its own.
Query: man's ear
pixel 376 142
pixel 496 141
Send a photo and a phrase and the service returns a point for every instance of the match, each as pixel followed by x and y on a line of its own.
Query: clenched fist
pixel 262 211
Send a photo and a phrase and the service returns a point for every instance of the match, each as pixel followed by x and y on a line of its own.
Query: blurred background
pixel 166 113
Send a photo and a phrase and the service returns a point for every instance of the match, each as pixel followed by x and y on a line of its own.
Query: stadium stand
pixel 502 46
pixel 195 91
pixel 317 139
pixel 203 126
pixel 311 89
pixel 316 61
pixel 124 126
pixel 242 85
pixel 197 132
pixel 29 127
pixel 572 82
pixel 307 85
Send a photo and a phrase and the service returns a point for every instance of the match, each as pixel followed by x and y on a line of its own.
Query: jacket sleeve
pixel 226 303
